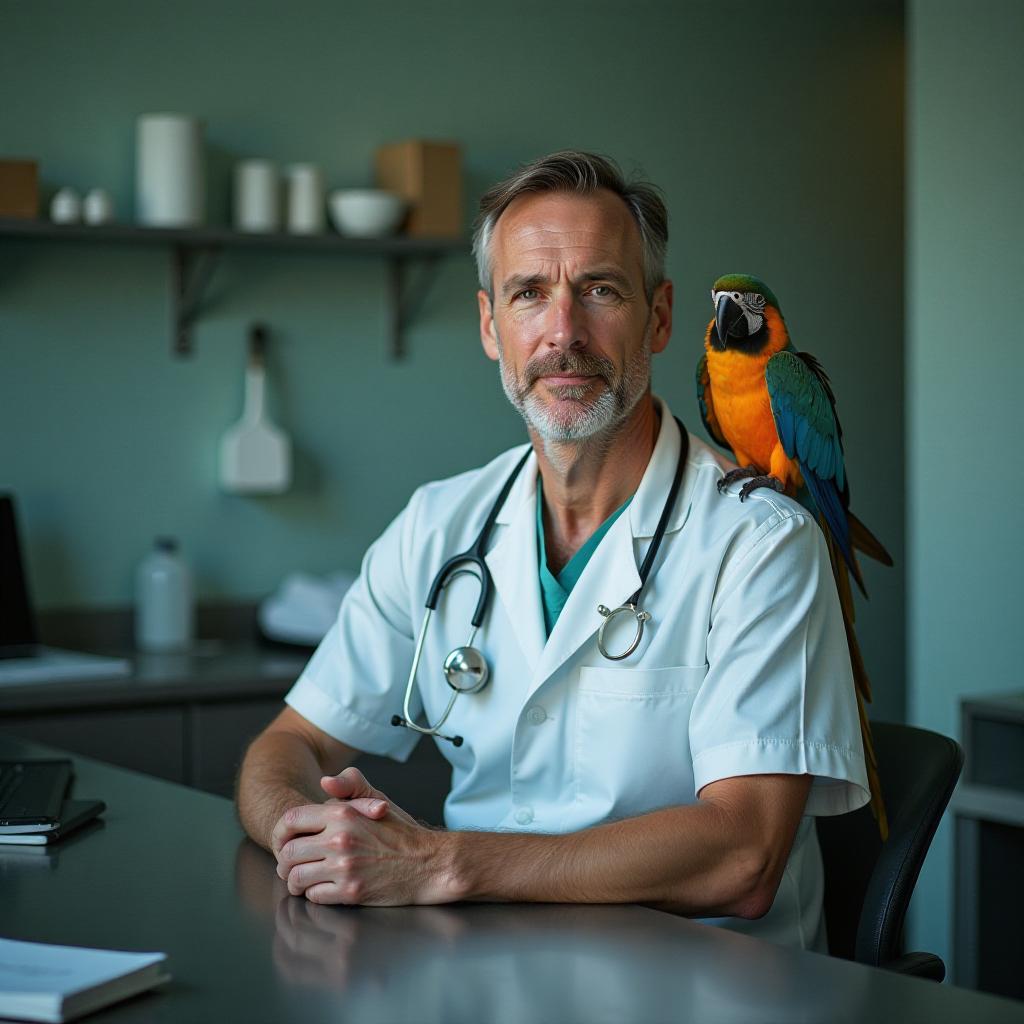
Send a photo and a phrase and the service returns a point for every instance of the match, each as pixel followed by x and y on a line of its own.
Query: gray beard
pixel 598 421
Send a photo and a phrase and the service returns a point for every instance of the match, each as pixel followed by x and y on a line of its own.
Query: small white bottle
pixel 164 611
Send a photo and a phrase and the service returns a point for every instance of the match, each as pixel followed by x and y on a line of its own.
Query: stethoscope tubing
pixel 475 556
pixel 476 553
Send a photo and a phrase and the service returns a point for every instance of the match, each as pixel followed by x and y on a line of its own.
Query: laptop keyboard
pixel 32 789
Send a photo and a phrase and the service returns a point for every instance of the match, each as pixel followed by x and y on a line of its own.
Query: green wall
pixel 775 129
pixel 964 366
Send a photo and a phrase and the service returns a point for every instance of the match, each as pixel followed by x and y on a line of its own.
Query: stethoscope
pixel 465 668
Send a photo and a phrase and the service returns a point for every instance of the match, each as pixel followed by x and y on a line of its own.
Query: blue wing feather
pixel 803 406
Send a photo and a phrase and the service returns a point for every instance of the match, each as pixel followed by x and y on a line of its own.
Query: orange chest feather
pixel 742 406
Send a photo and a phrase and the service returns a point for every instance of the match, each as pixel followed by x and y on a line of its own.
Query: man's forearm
pixel 695 860
pixel 280 771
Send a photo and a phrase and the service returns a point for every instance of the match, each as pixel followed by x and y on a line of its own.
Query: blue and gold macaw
pixel 773 407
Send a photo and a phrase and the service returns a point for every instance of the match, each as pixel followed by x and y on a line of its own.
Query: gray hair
pixel 583 174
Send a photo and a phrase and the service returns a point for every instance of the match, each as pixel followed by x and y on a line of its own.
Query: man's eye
pixel 602 291
pixel 528 293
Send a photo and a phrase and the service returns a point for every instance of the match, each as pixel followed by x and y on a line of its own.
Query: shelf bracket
pixel 405 296
pixel 192 268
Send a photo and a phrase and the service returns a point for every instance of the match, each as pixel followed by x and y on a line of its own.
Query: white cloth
pixel 743 668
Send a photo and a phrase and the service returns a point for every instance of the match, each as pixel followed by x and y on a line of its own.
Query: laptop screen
pixel 17 623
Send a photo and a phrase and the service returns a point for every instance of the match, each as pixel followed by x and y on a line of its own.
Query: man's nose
pixel 567 329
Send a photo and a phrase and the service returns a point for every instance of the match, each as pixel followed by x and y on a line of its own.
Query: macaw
pixel 773 407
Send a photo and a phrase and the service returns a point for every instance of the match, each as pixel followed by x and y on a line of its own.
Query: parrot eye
pixel 736 296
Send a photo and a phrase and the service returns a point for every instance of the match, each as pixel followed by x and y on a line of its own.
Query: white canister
pixel 66 207
pixel 170 175
pixel 306 207
pixel 164 605
pixel 257 196
pixel 97 207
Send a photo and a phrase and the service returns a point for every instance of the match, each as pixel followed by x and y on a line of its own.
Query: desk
pixel 169 870
pixel 196 711
pixel 189 717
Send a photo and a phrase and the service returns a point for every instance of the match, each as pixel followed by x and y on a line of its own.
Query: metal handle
pixel 630 609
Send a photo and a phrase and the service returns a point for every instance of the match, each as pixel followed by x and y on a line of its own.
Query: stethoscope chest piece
pixel 609 617
pixel 631 607
pixel 466 670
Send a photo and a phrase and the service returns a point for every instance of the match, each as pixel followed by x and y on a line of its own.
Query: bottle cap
pixel 168 544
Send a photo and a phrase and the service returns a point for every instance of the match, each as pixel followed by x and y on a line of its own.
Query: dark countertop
pixel 213 671
pixel 168 869
pixel 236 664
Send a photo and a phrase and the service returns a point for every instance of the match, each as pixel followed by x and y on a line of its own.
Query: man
pixel 684 775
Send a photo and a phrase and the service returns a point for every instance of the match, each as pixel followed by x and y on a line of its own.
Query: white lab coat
pixel 743 668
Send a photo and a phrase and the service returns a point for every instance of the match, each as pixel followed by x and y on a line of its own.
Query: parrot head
pixel 746 311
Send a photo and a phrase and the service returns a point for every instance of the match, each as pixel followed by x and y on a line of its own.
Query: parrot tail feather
pixel 861 681
pixel 871 764
pixel 862 539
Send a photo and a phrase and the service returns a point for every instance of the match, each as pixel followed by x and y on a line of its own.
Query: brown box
pixel 429 176
pixel 19 188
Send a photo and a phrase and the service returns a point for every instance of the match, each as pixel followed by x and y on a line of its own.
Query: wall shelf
pixel 195 252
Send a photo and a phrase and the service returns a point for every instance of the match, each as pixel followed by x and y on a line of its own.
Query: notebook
pixel 57 983
pixel 32 793
pixel 73 814
pixel 22 658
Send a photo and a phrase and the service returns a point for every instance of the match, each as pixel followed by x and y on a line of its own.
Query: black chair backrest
pixel 868 885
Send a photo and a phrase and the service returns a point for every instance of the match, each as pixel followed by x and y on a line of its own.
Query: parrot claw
pixel 745 473
pixel 761 481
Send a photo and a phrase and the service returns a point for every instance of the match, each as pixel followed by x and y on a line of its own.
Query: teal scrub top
pixel 555 590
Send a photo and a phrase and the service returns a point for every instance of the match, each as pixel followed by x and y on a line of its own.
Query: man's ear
pixel 488 336
pixel 661 310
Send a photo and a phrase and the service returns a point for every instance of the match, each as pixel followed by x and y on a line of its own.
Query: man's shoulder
pixel 723 512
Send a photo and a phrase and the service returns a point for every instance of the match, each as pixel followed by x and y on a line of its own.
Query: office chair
pixel 868 884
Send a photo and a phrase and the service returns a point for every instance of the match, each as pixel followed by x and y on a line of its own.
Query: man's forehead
pixel 557 225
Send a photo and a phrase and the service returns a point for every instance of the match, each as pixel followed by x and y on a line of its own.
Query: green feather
pixel 746 283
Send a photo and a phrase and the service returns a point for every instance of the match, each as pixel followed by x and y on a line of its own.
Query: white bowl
pixel 366 212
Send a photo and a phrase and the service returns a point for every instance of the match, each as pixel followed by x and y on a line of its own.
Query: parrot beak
pixel 728 316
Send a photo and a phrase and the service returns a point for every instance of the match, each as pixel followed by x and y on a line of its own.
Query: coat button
pixel 524 815
pixel 536 715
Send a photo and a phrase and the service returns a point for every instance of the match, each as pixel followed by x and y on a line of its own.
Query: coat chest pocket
pixel 632 742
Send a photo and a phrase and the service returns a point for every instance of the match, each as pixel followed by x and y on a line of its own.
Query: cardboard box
pixel 428 175
pixel 19 188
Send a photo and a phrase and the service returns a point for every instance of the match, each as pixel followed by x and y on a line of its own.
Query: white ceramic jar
pixel 66 207
pixel 97 207
pixel 306 206
pixel 257 196
pixel 170 172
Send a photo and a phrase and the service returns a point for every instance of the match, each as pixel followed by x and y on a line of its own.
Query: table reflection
pixel 518 962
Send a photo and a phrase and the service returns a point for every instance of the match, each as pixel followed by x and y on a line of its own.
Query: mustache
pixel 582 364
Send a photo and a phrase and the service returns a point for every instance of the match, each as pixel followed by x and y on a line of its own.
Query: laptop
pixel 23 659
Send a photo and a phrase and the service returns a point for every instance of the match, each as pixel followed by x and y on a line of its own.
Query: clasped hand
pixel 358 848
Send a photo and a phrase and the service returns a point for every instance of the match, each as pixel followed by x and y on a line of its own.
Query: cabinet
pixel 194 254
pixel 989 815
pixel 150 740
pixel 189 720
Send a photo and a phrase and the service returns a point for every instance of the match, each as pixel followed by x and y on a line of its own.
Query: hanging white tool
pixel 255 455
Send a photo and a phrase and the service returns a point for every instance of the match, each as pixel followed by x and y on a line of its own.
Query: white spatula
pixel 255 455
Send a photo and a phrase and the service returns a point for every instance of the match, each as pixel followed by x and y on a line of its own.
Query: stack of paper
pixel 59 983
